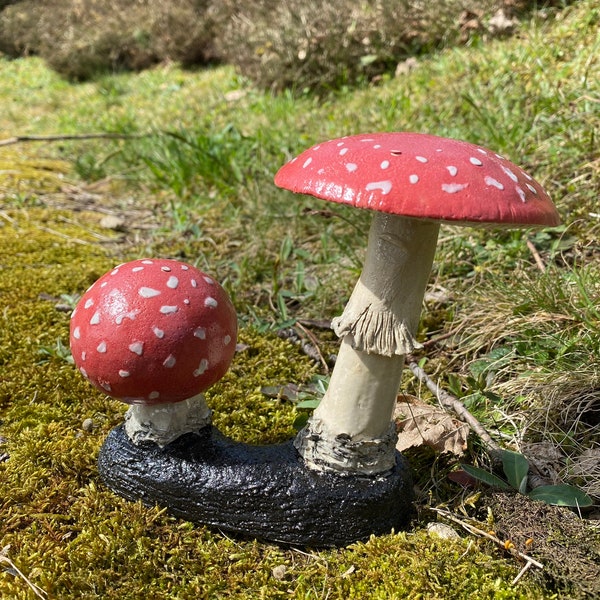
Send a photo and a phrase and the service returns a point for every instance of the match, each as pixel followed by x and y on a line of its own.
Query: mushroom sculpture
pixel 155 334
pixel 412 182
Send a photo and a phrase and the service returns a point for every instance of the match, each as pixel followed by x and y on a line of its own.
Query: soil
pixel 568 546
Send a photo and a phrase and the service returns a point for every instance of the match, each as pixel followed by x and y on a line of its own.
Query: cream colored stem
pixel 164 423
pixel 351 430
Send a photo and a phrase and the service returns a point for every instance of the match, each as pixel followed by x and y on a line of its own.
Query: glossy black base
pixel 260 491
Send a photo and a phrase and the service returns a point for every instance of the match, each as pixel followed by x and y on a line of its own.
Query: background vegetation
pixel 314 44
pixel 511 323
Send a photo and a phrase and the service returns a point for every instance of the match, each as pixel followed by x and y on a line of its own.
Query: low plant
pixel 516 469
pixel 83 39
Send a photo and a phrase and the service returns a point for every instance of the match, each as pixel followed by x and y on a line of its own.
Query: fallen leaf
pixel 423 424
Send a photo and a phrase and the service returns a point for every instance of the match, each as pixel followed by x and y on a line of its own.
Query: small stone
pixel 442 530
pixel 113 222
pixel 279 572
pixel 88 425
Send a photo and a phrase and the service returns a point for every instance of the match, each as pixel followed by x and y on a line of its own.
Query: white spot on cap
pixel 130 315
pixel 159 333
pixel 316 147
pixel 88 303
pixel 194 283
pixel 452 170
pixel 227 339
pixel 340 144
pixel 168 310
pixel 510 174
pixel 482 151
pixel 385 164
pixel 147 262
pixel 452 188
pixel 106 386
pixel 103 284
pixel 146 292
pixel 153 395
pixel 531 188
pixel 77 333
pixel 137 348
pixel 351 167
pixel 173 282
pixel 95 320
pixel 209 280
pixel 101 347
pixel 413 178
pixel 169 361
pixel 421 159
pixel 184 267
pixel 384 186
pixel 377 146
pixel 83 355
pixel 123 373
pixel 201 368
pixel 307 162
pixel 114 271
pixel 83 372
pixel 343 151
pixel 136 269
pixel 210 302
pixel 475 161
pixel 200 333
pixel 165 269
pixel 493 182
pixel 521 193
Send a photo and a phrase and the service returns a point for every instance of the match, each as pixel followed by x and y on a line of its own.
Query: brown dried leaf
pixel 423 424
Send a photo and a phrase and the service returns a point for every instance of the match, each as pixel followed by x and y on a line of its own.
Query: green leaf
pixel 485 476
pixel 561 495
pixel 308 403
pixel 515 467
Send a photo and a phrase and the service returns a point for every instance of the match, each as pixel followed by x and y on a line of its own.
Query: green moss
pixel 75 539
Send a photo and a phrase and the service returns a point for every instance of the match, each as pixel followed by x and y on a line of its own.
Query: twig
pixel 313 346
pixel 452 402
pixel 38 591
pixel 536 256
pixel 17 139
pixel 477 531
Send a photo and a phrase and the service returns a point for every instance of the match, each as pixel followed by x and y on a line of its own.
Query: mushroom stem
pixel 351 431
pixel 163 423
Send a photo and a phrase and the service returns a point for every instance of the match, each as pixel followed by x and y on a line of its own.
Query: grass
pixel 508 335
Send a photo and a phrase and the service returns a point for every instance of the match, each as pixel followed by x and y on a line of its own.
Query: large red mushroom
pixel 412 182
pixel 155 333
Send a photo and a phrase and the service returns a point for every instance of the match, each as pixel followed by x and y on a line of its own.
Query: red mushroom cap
pixel 421 176
pixel 154 331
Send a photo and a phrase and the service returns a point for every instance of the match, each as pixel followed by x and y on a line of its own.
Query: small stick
pixel 17 139
pixel 536 256
pixel 314 345
pixel 522 572
pixel 38 591
pixel 476 530
pixel 452 402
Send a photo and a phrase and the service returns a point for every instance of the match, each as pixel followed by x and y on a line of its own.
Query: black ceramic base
pixel 260 491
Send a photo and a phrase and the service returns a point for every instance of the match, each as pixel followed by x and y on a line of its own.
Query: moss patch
pixel 75 539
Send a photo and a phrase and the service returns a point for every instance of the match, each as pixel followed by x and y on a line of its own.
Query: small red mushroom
pixel 412 182
pixel 154 333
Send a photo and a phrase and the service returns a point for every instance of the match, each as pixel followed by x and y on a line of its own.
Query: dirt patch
pixel 567 546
